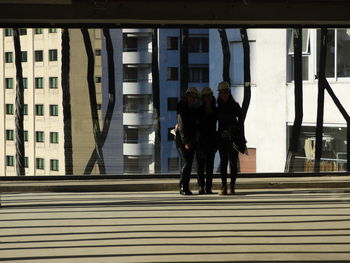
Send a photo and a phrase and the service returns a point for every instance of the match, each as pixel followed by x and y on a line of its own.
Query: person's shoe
pixel 232 191
pixel 201 190
pixel 185 192
pixel 223 190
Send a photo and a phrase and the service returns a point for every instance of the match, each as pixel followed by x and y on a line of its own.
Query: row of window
pixel 39 163
pixel 38 56
pixel 38 83
pixel 39 136
pixel 195 44
pixel 23 31
pixel 39 109
pixel 198 73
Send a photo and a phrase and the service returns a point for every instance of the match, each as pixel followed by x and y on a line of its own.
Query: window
pixel 98 79
pixel 8 57
pixel 8 32
pixel 129 43
pixel 53 55
pixel 40 163
pixel 173 43
pixel 25 133
pixel 53 82
pixel 198 44
pixel 173 73
pixel 9 109
pixel 39 83
pixel 9 135
pixel 26 162
pixel 97 52
pixel 25 109
pixel 131 135
pixel 334 145
pixel 198 74
pixel 53 137
pixel 10 160
pixel 52 30
pixel 338 47
pixel 39 136
pixel 24 56
pixel 53 110
pixel 25 83
pixel 130 74
pixel 173 164
pixel 38 56
pixel 9 83
pixel 39 110
pixel 171 136
pixel 23 31
pixel 306 52
pixel 172 104
pixel 38 31
pixel 136 103
pixel 54 165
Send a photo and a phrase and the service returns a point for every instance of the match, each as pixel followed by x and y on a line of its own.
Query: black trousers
pixel 205 167
pixel 228 155
pixel 187 160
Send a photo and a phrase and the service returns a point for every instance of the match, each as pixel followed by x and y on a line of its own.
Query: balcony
pixel 138 149
pixel 138 118
pixel 141 56
pixel 137 87
pixel 139 32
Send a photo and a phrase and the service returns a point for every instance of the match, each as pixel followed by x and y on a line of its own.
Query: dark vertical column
pixel 156 100
pixel 183 61
pixel 298 100
pixel 20 154
pixel 247 78
pixel 93 102
pixel 67 114
pixel 226 55
pixel 320 99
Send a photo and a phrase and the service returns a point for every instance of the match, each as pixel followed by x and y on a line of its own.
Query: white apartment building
pixel 43 120
pixel 133 53
pixel 271 112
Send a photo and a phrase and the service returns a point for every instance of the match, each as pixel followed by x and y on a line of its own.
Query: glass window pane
pixel 9 83
pixel 330 57
pixel 130 74
pixel 38 55
pixel 305 67
pixel 343 52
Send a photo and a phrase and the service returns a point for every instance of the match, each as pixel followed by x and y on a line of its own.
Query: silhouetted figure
pixel 207 141
pixel 186 132
pixel 230 121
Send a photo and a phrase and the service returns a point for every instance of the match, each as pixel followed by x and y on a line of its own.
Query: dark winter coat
pixel 229 115
pixel 207 135
pixel 231 124
pixel 187 120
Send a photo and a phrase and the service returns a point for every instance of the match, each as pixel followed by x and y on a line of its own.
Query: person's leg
pixel 200 172
pixel 223 151
pixel 209 167
pixel 233 157
pixel 187 158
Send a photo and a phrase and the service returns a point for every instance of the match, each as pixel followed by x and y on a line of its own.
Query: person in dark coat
pixel 230 118
pixel 186 136
pixel 207 142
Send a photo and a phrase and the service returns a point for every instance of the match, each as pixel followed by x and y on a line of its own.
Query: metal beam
pixel 119 13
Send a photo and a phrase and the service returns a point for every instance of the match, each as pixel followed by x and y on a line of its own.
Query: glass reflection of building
pixel 129 147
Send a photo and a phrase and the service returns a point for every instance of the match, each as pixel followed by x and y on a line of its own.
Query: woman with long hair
pixel 230 118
